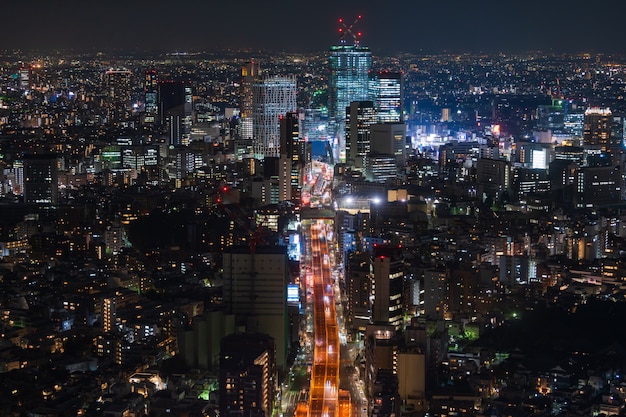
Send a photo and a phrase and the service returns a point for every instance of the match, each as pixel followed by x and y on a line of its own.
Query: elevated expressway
pixel 325 399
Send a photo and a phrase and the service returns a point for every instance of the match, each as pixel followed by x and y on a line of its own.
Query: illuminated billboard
pixel 293 294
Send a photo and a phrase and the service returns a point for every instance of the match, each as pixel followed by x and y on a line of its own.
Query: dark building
pixel 598 185
pixel 388 285
pixel 358 285
pixel 493 178
pixel 175 108
pixel 247 376
pixel 41 179
pixel 255 290
pixel 292 153
pixel 360 116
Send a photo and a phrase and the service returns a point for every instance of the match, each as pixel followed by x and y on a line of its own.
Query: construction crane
pixel 345 30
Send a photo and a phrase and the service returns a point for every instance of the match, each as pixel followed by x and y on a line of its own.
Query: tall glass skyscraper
pixel 273 97
pixel 386 89
pixel 360 116
pixel 349 79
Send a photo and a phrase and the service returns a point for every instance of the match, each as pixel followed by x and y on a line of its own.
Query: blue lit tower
pixel 349 79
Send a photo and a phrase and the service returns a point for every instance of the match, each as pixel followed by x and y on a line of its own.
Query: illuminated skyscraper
pixel 273 97
pixel 348 82
pixel 250 72
pixel 386 89
pixel 360 115
pixel 151 92
pixel 117 84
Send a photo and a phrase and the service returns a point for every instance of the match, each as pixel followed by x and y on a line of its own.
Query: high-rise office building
pixel 273 97
pixel 348 82
pixel 493 178
pixel 389 139
pixel 550 117
pixel 151 96
pixel 597 128
pixel 291 157
pixel 175 110
pixel 436 292
pixel 41 179
pixel 381 168
pixel 598 185
pixel 250 73
pixel 387 92
pixel 184 162
pixel 359 285
pixel 117 84
pixel 255 290
pixel 574 124
pixel 25 76
pixel 360 115
pixel 387 288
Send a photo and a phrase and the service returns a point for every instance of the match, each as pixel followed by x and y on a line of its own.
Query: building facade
pixel 360 115
pixel 348 82
pixel 255 291
pixel 273 97
pixel 387 91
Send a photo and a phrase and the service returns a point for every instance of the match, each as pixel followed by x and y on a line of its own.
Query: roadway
pixel 325 399
pixel 324 389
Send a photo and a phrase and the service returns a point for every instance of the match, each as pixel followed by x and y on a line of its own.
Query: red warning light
pixel 358 34
pixel 224 189
pixel 359 16
pixel 340 20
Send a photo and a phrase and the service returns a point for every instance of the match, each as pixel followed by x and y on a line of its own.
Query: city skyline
pixel 178 239
pixel 486 26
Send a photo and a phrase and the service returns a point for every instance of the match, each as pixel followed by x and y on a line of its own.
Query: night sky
pixel 301 25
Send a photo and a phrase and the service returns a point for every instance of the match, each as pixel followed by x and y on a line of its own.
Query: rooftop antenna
pixel 347 30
